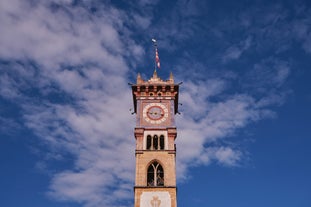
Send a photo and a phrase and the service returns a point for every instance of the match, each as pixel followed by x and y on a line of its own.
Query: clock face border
pixel 150 120
pixel 157 111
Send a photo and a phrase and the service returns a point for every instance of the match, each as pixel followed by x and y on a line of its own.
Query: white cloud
pixel 205 122
pixel 224 155
pixel 235 51
pixel 95 126
pixel 77 62
pixel 227 156
pixel 61 37
pixel 143 22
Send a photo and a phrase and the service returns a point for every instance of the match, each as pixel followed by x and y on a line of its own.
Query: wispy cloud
pixel 217 120
pixel 267 75
pixel 235 51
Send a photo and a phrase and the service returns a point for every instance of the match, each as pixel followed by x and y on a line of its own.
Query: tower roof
pixel 155 80
pixel 155 88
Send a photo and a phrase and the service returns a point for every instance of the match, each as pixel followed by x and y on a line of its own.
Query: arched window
pixel 155 175
pixel 155 143
pixel 162 142
pixel 149 141
pixel 159 88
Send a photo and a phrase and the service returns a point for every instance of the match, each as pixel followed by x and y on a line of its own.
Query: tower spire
pixel 155 74
pixel 171 77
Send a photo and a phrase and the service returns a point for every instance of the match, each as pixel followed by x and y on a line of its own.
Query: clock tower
pixel 155 105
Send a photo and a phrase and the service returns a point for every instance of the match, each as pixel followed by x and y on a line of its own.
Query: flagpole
pixel 155 52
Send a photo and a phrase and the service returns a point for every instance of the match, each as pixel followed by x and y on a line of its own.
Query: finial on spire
pixel 154 41
pixel 139 80
pixel 171 79
pixel 155 75
pixel 171 76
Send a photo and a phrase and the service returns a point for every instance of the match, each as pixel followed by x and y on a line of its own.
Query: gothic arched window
pixel 155 175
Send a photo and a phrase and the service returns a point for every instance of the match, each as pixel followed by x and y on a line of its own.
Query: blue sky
pixel 65 126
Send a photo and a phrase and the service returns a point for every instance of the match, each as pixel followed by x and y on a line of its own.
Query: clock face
pixel 155 113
